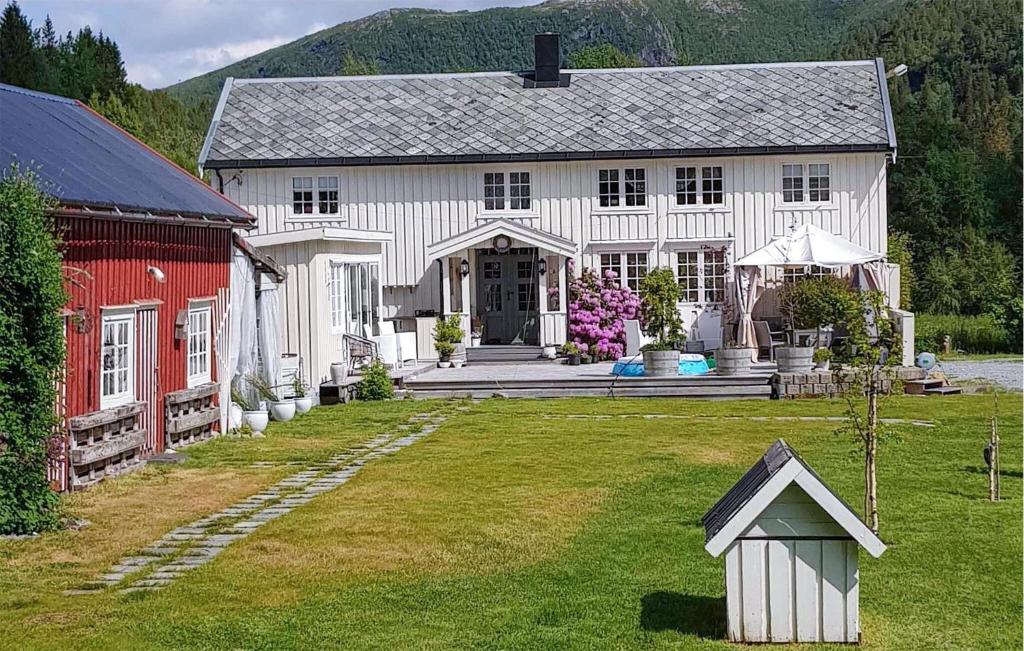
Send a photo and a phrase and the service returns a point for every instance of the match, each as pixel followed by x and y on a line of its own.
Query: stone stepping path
pixel 193 545
pixel 830 419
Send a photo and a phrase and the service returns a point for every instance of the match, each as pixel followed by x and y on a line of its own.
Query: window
pixel 519 190
pixel 629 268
pixel 631 192
pixel 302 195
pixel 515 195
pixel 198 356
pixel 702 275
pixel 117 360
pixel 815 187
pixel 818 182
pixel 686 272
pixel 326 203
pixel 708 178
pixel 494 191
pixel 813 271
pixel 327 194
pixel 792 183
pixel 354 298
pixel 608 188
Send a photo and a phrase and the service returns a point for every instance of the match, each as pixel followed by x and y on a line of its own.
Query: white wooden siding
pixel 424 204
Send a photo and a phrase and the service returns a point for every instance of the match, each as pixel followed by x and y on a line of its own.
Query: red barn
pixel 148 252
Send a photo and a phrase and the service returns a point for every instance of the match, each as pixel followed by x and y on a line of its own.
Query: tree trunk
pixel 870 458
pixel 993 469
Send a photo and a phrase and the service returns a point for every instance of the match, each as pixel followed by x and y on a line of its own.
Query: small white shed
pixel 791 548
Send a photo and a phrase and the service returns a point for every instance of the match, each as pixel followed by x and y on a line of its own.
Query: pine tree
pixel 20 61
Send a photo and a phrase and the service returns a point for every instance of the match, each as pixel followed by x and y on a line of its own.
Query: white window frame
pixel 699 168
pixel 195 378
pixel 316 214
pixel 506 189
pixel 622 208
pixel 339 294
pixel 116 317
pixel 805 181
pixel 625 268
pixel 336 297
pixel 812 271
pixel 702 287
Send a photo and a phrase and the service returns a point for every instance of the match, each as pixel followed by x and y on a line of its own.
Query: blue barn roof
pixel 85 161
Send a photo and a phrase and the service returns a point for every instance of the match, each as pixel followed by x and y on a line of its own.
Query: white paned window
pixel 611 262
pixel 327 194
pixel 712 192
pixel 792 183
pixel 336 297
pixel 818 182
pixel 686 186
pixel 702 275
pixel 117 359
pixel 519 190
pixel 813 271
pixel 198 356
pixel 302 195
pixel 687 265
pixel 629 268
pixel 635 186
pixel 700 186
pixel 315 195
pixel 608 188
pixel 494 191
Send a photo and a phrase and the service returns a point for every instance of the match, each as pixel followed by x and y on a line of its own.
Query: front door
pixel 507 296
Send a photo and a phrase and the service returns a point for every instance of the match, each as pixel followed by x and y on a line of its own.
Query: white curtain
pixel 749 288
pixel 269 335
pixel 229 334
pixel 872 276
pixel 243 320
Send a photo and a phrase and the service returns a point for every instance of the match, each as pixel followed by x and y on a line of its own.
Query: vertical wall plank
pixel 734 592
pixel 808 565
pixel 833 590
pixel 755 620
pixel 852 592
pixel 780 590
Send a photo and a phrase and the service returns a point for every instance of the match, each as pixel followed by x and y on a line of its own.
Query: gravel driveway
pixel 1005 372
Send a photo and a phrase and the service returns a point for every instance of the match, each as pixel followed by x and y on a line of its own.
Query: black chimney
pixel 546 59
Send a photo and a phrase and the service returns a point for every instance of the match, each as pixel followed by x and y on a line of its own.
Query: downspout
pixel 440 284
pixel 220 180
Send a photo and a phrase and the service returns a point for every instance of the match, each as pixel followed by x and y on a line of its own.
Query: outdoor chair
pixel 635 338
pixel 766 341
pixel 387 345
pixel 406 342
pixel 358 351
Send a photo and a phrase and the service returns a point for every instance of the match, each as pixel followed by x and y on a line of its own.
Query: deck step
pixel 703 393
pixel 920 387
pixel 502 354
pixel 943 391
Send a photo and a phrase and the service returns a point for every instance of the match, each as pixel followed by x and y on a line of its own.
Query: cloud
pixel 166 41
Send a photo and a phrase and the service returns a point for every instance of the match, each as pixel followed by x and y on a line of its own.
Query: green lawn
pixel 532 525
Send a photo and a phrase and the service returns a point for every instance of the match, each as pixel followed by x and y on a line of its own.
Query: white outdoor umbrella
pixel 807 245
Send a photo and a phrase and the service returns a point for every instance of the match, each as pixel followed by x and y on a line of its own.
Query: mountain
pixel 659 32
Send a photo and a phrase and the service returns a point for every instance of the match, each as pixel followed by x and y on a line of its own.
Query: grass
pixel 979 357
pixel 522 525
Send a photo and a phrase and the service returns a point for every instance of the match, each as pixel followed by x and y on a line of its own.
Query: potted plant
pixel 303 402
pixel 572 353
pixel 253 417
pixel 282 409
pixel 733 360
pixel 659 300
pixel 444 353
pixel 339 371
pixel 792 357
pixel 822 359
pixel 477 332
pixel 448 340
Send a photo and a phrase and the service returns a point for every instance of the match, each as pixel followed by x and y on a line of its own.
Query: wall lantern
pixel 464 267
pixel 542 266
pixel 181 325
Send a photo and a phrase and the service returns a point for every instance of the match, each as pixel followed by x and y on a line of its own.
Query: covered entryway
pixel 507 281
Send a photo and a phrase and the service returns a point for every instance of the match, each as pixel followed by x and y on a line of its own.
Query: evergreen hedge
pixel 31 353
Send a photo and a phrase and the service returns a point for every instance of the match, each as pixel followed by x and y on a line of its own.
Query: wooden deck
pixel 557 380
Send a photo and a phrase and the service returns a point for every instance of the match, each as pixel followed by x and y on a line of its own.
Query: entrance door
pixel 703 275
pixel 507 296
pixel 147 378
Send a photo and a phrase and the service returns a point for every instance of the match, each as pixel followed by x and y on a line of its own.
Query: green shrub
pixel 659 299
pixel 971 334
pixel 376 383
pixel 31 353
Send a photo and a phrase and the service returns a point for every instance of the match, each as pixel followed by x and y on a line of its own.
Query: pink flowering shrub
pixel 597 309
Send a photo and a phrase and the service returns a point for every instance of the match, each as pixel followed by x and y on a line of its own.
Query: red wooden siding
pixel 114 256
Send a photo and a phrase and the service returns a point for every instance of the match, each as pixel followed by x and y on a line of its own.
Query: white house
pixel 388 196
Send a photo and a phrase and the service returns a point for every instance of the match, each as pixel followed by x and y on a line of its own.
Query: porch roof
pixel 516 230
pixel 310 234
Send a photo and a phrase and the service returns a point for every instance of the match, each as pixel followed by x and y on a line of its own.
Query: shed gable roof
pixel 779 467
pixel 83 160
pixel 641 112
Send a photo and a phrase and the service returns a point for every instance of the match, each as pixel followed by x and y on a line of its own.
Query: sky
pixel 166 41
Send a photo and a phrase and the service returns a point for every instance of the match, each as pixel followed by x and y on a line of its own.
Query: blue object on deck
pixel 691 364
pixel 629 367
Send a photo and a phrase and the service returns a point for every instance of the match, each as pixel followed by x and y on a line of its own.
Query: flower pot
pixel 822 366
pixel 794 359
pixel 283 410
pixel 585 359
pixel 256 420
pixel 444 363
pixel 303 404
pixel 572 360
pixel 661 363
pixel 733 361
pixel 234 416
pixel 339 371
pixel 474 340
pixel 458 363
pixel 549 352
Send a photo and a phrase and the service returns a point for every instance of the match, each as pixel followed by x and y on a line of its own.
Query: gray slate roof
pixel 681 111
